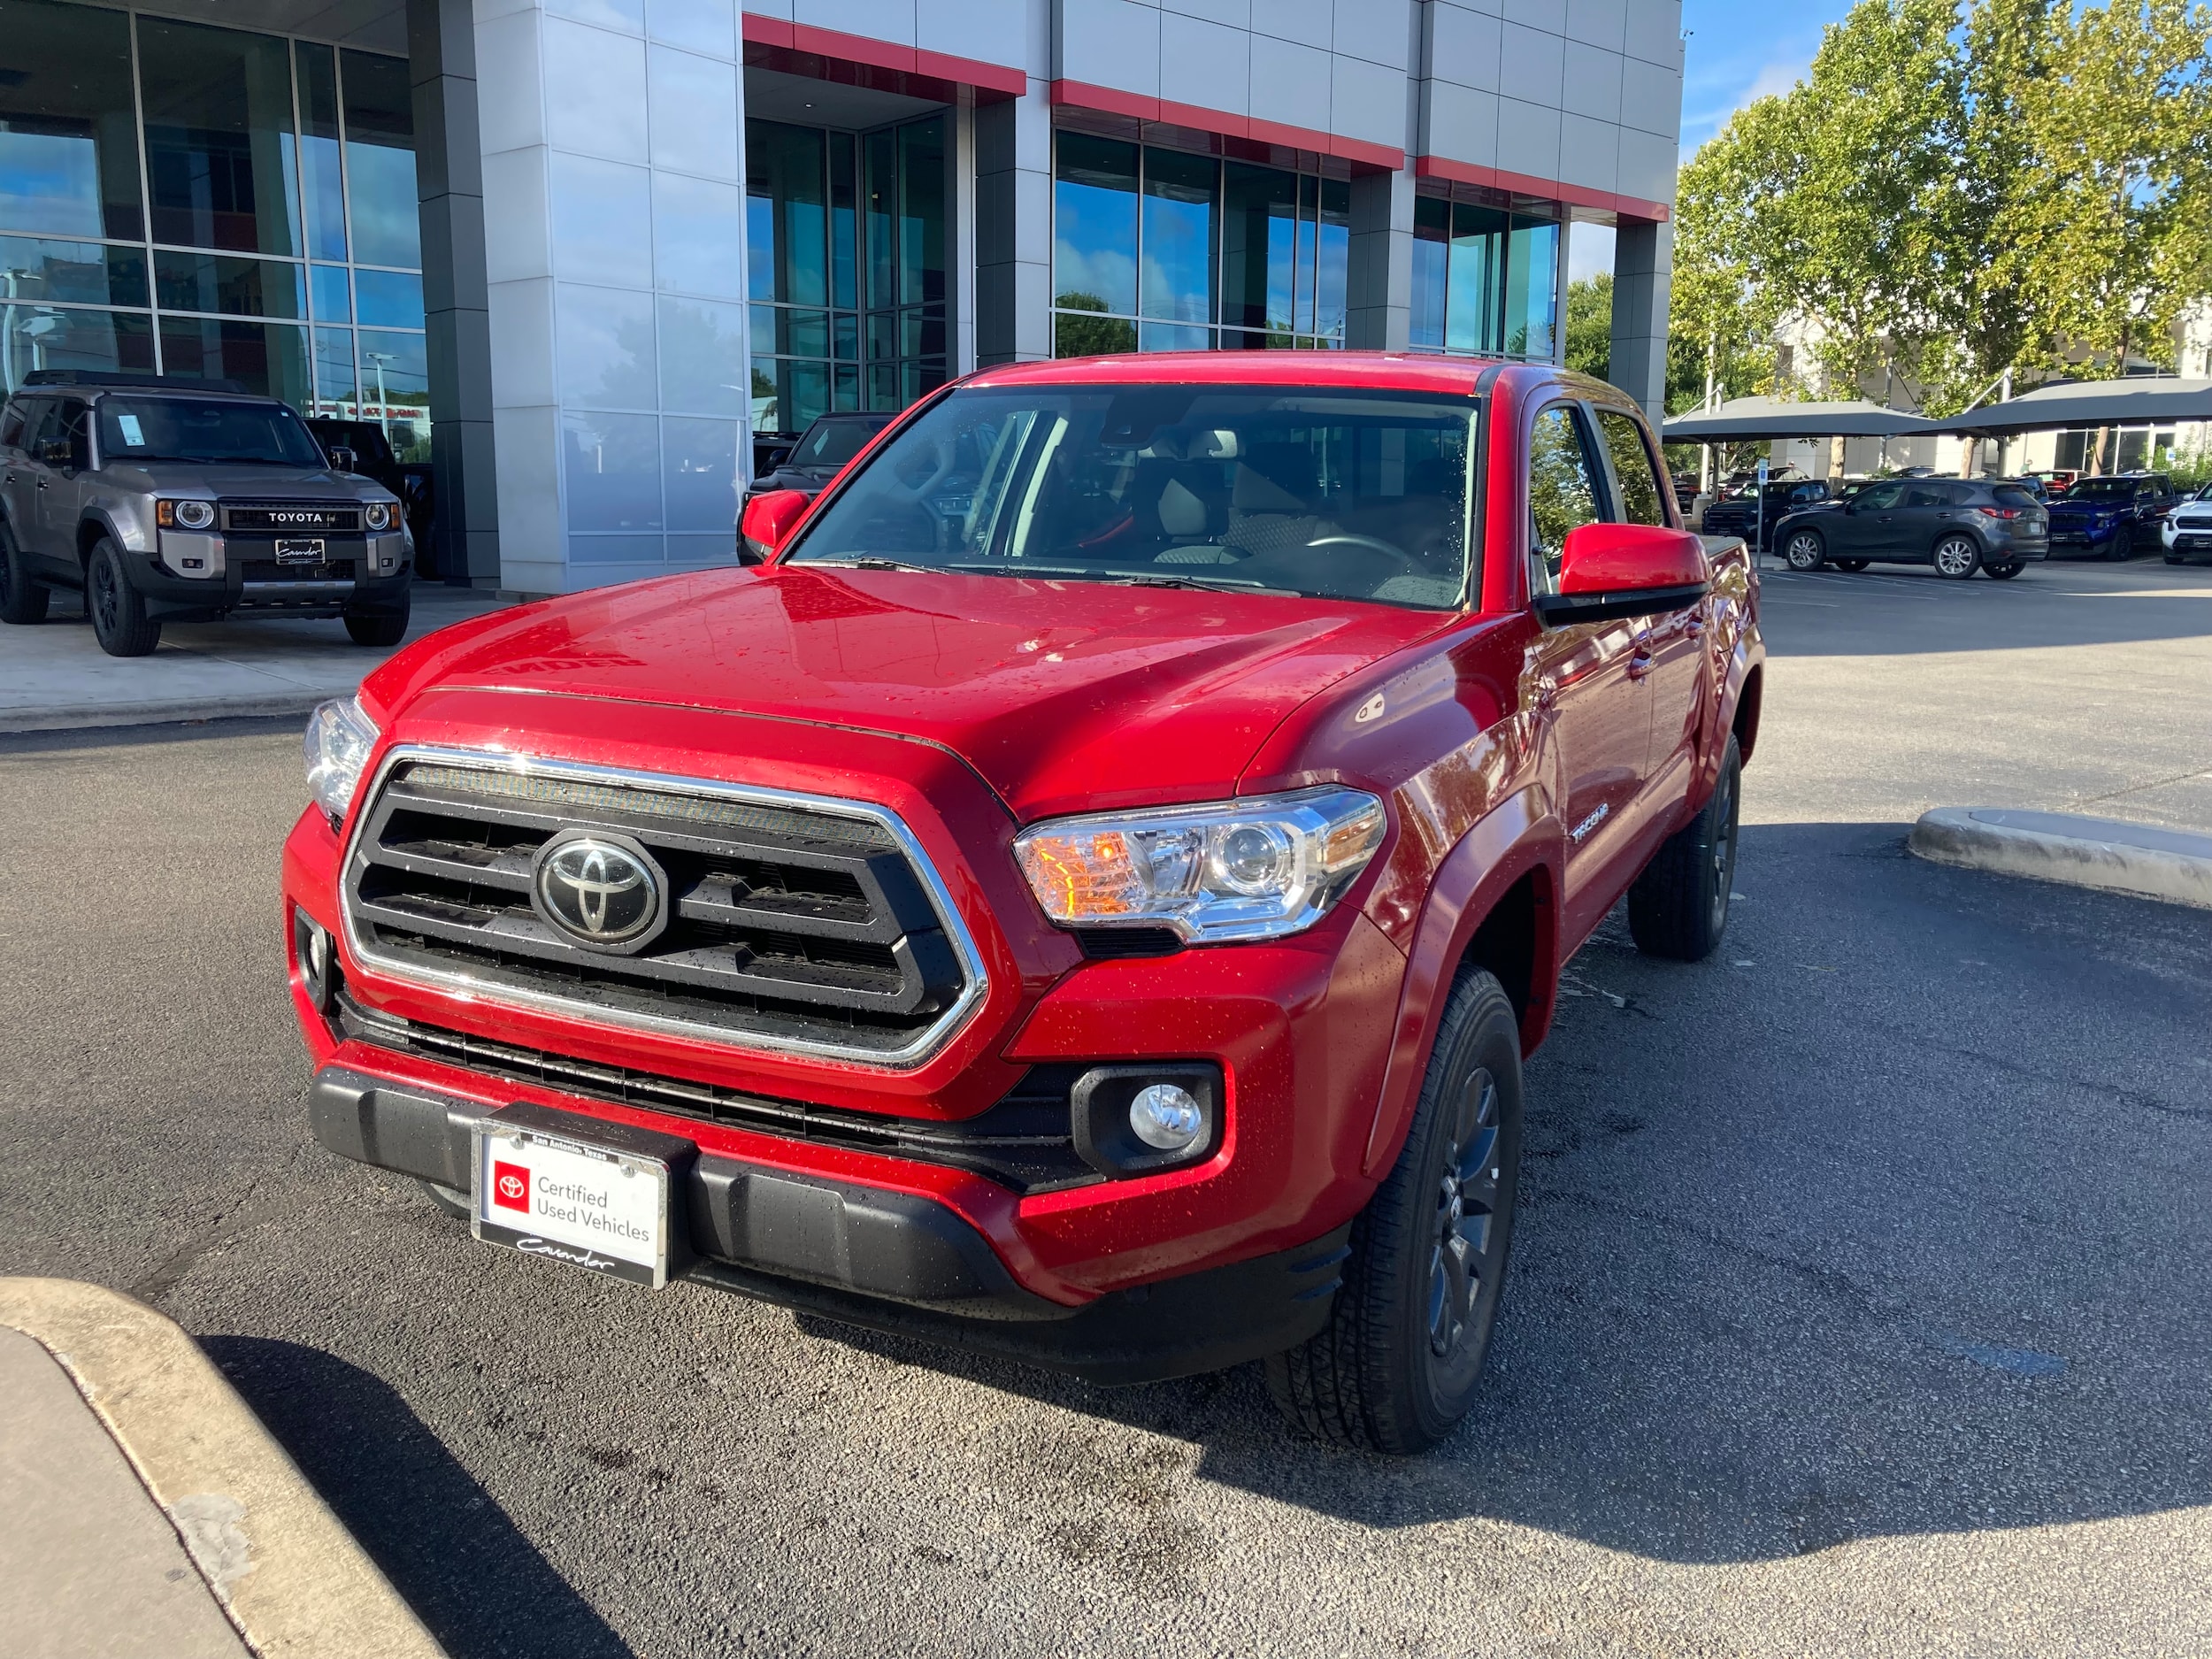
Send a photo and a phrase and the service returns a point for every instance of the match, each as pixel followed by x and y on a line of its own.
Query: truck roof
pixel 1352 370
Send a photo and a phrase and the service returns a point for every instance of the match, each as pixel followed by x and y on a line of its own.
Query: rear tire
pixel 22 600
pixel 1397 1366
pixel 1854 565
pixel 119 621
pixel 1957 556
pixel 381 628
pixel 1804 550
pixel 1678 908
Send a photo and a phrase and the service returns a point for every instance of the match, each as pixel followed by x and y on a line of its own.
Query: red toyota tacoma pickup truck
pixel 1084 892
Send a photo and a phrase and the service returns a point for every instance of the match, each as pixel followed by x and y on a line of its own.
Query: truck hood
pixel 2090 508
pixel 1063 696
pixel 246 483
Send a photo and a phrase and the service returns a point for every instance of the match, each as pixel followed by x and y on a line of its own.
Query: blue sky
pixel 1738 50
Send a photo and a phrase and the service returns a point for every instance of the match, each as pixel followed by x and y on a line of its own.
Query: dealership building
pixel 578 255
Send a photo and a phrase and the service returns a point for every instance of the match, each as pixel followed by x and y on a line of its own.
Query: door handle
pixel 43 482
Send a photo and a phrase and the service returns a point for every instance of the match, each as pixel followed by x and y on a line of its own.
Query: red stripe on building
pixel 860 48
pixel 1551 189
pixel 1108 100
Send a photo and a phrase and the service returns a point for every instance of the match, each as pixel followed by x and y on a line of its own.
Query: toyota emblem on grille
pixel 600 890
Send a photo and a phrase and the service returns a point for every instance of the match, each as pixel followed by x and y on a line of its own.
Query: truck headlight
pixel 339 739
pixel 378 516
pixel 184 515
pixel 1238 870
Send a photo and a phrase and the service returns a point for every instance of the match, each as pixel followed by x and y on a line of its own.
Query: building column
pixel 1643 278
pixel 1379 296
pixel 614 221
pixel 450 186
pixel 1013 229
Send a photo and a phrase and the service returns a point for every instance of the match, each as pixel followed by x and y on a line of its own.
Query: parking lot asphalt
pixel 1862 1302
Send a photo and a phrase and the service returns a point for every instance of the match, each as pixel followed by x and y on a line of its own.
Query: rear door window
pixel 1562 492
pixel 1927 495
pixel 1640 501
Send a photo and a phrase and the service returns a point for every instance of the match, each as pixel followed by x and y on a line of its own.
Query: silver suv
pixel 164 499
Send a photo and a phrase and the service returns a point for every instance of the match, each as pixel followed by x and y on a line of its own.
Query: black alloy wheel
pixel 1400 1362
pixel 22 600
pixel 119 621
pixel 1854 565
pixel 2122 547
pixel 1957 556
pixel 1804 550
pixel 1678 908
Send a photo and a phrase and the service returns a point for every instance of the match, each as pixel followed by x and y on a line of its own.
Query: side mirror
pixel 54 452
pixel 344 460
pixel 768 523
pixel 1611 571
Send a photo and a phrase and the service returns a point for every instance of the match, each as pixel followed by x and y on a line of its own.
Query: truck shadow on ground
pixel 1838 1235
pixel 449 1550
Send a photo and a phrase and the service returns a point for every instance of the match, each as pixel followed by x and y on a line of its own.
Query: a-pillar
pixel 1379 297
pixel 450 186
pixel 1643 275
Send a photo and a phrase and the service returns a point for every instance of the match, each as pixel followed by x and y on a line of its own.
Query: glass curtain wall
pixel 1486 280
pixel 1159 250
pixel 846 245
pixel 210 203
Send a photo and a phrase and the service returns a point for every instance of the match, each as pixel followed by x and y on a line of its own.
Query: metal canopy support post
pixel 1379 303
pixel 450 191
pixel 1013 229
pixel 1643 278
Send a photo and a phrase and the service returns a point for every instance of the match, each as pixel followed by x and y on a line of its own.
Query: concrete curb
pixel 82 716
pixel 2174 865
pixel 285 1570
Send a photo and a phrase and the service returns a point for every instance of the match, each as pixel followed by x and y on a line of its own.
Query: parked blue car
pixel 2097 517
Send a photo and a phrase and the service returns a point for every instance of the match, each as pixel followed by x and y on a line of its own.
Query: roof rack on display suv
pixel 165 499
pixel 1086 895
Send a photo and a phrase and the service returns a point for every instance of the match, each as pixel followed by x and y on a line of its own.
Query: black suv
pixel 820 453
pixel 1741 515
pixel 165 499
pixel 1957 527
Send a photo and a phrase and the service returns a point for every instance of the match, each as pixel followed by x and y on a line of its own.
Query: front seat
pixel 1271 500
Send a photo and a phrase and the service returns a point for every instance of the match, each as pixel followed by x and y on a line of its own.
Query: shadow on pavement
pixel 1885 1220
pixel 471 1576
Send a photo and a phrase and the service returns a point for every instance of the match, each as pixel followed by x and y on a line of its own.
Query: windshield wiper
pixel 867 563
pixel 1209 584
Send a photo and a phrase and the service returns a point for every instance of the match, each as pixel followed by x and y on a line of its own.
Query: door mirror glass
pixel 54 452
pixel 768 523
pixel 1610 571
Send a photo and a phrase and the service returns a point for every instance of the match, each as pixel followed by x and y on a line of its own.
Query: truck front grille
pixel 792 922
pixel 289 518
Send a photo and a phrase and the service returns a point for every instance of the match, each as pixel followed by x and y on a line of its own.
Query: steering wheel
pixel 947 455
pixel 1373 545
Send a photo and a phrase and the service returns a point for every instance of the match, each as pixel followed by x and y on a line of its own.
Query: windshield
pixel 835 442
pixel 1343 494
pixel 204 431
pixel 2123 488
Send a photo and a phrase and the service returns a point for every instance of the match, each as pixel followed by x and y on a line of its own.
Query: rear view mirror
pixel 768 523
pixel 1611 571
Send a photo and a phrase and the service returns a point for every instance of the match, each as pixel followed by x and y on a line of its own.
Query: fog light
pixel 1166 1115
pixel 317 954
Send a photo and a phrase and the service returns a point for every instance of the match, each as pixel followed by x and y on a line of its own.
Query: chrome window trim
pixel 476 989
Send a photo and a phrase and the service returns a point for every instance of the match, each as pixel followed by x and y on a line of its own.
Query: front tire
pixel 1397 1366
pixel 22 600
pixel 119 621
pixel 381 628
pixel 1957 556
pixel 1804 550
pixel 1678 908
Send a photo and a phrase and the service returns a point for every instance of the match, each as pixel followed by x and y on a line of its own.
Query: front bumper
pixel 888 1260
pixel 174 591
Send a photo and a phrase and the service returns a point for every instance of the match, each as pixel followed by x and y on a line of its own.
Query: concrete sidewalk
pixel 54 676
pixel 144 1511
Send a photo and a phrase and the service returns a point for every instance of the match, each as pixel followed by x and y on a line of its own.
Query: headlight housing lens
pixel 339 739
pixel 184 515
pixel 379 516
pixel 1259 868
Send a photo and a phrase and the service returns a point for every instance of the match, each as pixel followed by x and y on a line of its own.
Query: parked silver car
pixel 164 499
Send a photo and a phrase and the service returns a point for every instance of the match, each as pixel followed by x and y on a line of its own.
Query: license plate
pixel 300 551
pixel 591 1206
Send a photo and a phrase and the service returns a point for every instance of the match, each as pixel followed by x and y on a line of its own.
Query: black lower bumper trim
pixel 888 1261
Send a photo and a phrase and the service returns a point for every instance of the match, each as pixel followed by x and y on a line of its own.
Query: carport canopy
pixel 1748 419
pixel 2139 401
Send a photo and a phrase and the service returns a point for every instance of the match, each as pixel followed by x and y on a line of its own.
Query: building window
pixel 1486 280
pixel 846 244
pixel 276 239
pixel 1158 249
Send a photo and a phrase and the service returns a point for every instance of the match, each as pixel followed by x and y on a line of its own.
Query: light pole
pixel 383 410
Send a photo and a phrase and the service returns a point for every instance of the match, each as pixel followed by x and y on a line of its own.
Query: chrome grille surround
pixel 719 803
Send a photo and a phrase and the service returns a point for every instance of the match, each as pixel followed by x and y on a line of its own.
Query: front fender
pixel 1521 835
